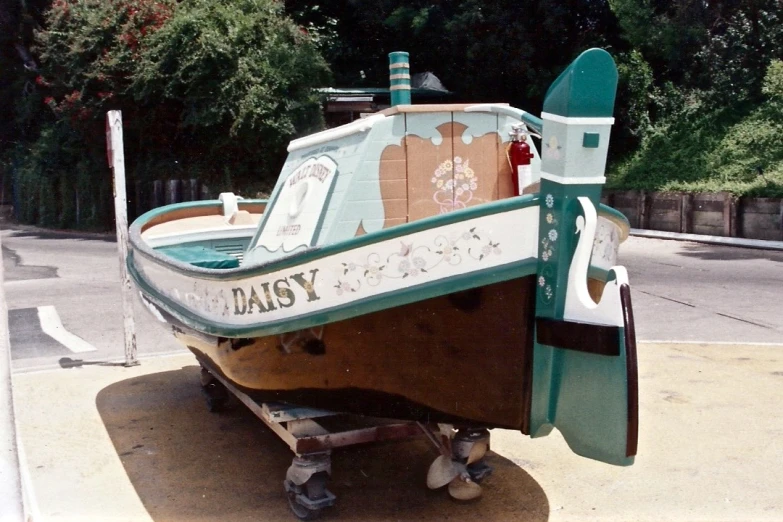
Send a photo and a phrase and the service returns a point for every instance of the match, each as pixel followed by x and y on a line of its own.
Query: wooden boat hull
pixel 463 357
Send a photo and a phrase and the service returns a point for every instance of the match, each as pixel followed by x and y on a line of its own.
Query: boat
pixel 404 267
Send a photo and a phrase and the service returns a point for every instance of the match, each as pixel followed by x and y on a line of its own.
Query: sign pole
pixel 116 157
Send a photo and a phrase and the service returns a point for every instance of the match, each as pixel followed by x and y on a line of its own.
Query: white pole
pixel 116 156
pixel 11 505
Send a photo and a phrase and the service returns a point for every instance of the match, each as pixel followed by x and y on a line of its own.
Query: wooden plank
pixel 568 335
pixel 476 162
pixel 658 203
pixel 708 230
pixel 686 213
pixel 707 219
pixel 393 173
pixel 117 157
pixel 761 226
pixel 643 210
pixel 762 205
pixel 428 160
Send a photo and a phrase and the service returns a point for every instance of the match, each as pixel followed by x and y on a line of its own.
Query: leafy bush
pixel 208 89
pixel 713 149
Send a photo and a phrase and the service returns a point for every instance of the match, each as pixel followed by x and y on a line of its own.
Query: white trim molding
pixel 576 120
pixel 575 180
pixel 355 127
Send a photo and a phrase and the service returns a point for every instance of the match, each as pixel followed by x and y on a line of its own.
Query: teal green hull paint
pixel 554 266
pixel 613 213
pixel 586 88
pixel 583 395
pixel 525 267
pixel 589 401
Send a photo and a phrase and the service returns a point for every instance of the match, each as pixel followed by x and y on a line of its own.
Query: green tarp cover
pixel 200 256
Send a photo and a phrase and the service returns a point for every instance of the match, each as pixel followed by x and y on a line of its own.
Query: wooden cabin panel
pixel 475 159
pixel 505 180
pixel 430 155
pixel 393 173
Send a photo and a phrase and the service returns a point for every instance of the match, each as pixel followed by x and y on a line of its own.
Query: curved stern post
pixel 584 358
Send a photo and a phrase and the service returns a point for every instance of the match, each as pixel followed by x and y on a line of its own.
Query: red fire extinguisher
pixel 519 156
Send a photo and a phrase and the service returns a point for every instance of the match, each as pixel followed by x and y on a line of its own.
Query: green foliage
pixel 205 87
pixel 240 64
pixel 708 149
pixel 773 81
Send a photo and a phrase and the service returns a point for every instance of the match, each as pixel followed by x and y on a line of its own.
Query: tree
pixel 208 89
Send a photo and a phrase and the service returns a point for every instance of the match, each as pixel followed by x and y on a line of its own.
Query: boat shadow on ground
pixel 188 464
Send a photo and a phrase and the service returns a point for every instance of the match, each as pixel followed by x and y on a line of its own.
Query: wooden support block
pixel 643 211
pixel 686 213
pixel 729 215
pixel 157 194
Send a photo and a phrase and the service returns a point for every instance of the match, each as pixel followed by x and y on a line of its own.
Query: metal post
pixel 399 78
pixel 12 508
pixel 116 157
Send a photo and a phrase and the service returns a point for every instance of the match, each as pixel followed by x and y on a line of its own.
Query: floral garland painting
pixel 455 183
pixel 413 260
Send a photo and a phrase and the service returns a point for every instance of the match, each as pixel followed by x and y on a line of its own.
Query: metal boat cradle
pixel 394 273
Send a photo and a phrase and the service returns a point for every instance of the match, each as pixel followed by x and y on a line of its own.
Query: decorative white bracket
pixel 579 306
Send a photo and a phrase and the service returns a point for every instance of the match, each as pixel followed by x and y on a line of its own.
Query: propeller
pixel 443 471
pixel 463 488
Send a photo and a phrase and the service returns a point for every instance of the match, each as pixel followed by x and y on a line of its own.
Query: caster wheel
pixel 308 500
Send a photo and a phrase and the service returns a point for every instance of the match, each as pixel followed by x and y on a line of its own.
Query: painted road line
pixel 53 327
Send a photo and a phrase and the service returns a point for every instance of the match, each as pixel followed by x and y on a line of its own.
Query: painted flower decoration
pixel 553 235
pixel 548 291
pixel 545 256
pixel 549 218
pixel 541 281
pixel 550 201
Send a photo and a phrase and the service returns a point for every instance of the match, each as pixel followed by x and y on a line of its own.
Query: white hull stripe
pixel 594 180
pixel 576 120
pixel 402 65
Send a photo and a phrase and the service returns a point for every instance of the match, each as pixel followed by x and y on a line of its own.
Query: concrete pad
pixel 112 443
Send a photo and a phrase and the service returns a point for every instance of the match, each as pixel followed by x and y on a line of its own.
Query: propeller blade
pixel 478 451
pixel 462 488
pixel 442 471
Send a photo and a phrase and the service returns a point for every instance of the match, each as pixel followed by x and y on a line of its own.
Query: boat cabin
pixel 400 165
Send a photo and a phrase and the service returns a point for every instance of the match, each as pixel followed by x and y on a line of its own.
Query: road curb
pixel 713 240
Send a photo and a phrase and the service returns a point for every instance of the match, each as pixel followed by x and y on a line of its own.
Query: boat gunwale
pixel 313 254
pixel 518 268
